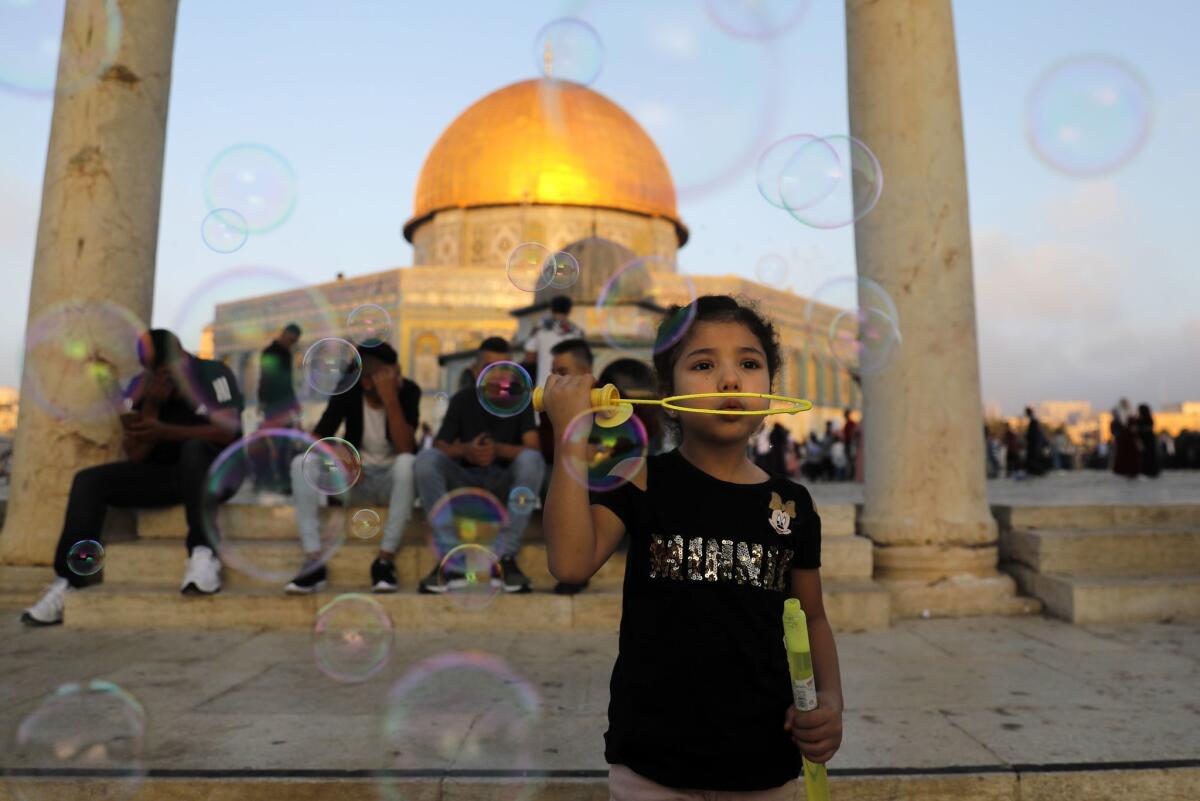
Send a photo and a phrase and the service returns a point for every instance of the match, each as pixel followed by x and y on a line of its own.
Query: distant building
pixel 9 406
pixel 1063 412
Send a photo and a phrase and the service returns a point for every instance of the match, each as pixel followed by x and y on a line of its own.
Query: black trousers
pixel 141 485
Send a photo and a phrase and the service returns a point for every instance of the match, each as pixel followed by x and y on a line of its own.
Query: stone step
pixel 1111 551
pixel 1107 781
pixel 279 522
pixel 1133 598
pixel 851 605
pixel 1099 517
pixel 160 563
pixel 837 520
pixel 20 586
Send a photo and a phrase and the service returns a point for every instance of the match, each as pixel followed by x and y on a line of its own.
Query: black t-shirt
pixel 466 419
pixel 207 385
pixel 701 685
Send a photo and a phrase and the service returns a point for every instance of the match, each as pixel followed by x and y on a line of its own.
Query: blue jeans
pixel 437 474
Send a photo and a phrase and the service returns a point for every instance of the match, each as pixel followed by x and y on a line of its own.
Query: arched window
pixel 831 383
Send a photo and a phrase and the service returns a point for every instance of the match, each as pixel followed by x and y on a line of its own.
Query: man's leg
pixel 527 470
pixel 93 489
pixel 307 501
pixel 402 491
pixel 196 455
pixel 436 474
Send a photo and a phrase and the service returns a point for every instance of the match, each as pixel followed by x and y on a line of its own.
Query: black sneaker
pixel 383 575
pixel 563 588
pixel 312 578
pixel 514 579
pixel 437 583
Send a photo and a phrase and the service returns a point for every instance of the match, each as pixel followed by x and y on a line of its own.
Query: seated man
pixel 185 411
pixel 380 416
pixel 475 448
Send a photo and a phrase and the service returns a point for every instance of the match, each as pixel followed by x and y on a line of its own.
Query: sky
pixel 1085 287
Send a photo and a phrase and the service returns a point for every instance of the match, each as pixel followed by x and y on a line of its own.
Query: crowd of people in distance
pixel 836 454
pixel 1134 448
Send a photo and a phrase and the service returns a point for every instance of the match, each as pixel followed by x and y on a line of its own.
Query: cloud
pixel 1056 321
pixel 1089 207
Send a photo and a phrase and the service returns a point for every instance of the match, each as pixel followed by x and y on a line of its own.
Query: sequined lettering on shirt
pixel 701 559
pixel 695 558
pixel 725 569
pixel 710 560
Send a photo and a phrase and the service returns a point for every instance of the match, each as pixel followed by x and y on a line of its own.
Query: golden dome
pixel 545 142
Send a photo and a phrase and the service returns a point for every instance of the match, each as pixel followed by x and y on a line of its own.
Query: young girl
pixel 701 699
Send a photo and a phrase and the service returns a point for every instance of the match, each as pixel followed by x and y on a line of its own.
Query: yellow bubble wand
pixel 607 398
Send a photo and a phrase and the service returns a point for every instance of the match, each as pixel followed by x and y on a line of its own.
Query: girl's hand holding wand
pixel 818 733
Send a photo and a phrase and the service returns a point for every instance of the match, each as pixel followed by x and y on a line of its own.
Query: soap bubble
pixel 531 267
pixel 565 270
pixel 332 366
pixel 858 321
pixel 365 524
pixel 81 360
pixel 629 327
pixel 369 325
pixel 756 19
pixel 469 515
pixel 522 500
pixel 244 305
pixel 255 181
pixel 568 49
pixel 675 68
pixel 772 270
pixel 825 192
pixel 1088 115
pixel 224 230
pixel 470 574
pixel 332 466
pixel 31 41
pixel 353 638
pixel 263 460
pixel 469 711
pixel 85 558
pixel 504 388
pixel 94 728
pixel 769 171
pixel 863 340
pixel 607 456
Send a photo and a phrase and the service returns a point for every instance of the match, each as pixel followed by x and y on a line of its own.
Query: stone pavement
pixel 1059 488
pixel 980 694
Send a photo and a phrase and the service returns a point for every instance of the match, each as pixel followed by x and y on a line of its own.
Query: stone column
pixel 926 504
pixel 96 241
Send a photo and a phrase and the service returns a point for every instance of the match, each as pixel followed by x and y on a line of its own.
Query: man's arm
pixel 400 431
pixel 529 440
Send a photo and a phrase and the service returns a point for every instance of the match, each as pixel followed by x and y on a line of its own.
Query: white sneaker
pixel 203 574
pixel 48 611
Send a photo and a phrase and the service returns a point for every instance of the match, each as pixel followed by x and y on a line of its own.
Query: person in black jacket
pixel 1143 425
pixel 380 418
